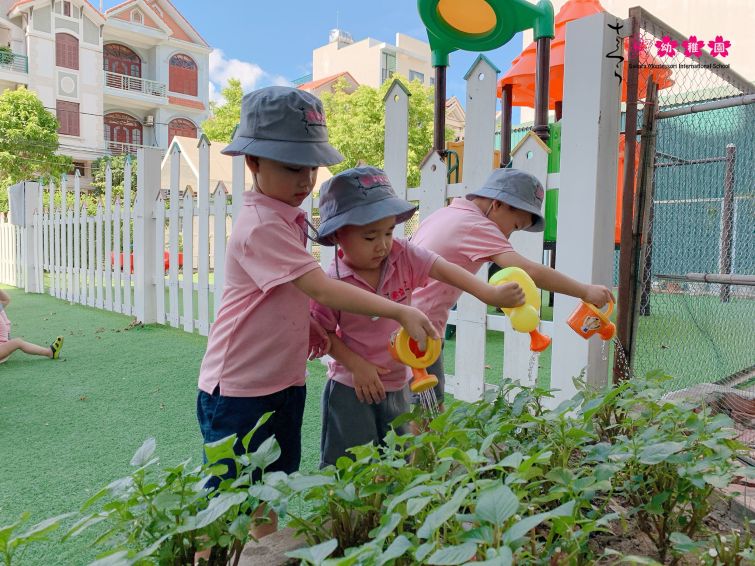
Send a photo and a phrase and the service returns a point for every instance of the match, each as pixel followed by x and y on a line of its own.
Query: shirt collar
pixel 396 250
pixel 464 204
pixel 289 213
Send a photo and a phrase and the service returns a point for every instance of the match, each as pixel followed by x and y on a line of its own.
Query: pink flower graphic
pixel 693 47
pixel 719 46
pixel 667 46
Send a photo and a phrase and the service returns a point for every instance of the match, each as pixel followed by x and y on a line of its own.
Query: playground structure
pixel 65 251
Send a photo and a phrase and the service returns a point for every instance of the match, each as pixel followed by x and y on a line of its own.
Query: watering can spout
pixel 539 341
pixel 405 350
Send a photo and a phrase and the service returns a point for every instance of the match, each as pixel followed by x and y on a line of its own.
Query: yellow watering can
pixel 405 349
pixel 527 317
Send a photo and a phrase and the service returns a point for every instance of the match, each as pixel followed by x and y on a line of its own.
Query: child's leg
pixel 346 422
pixel 395 404
pixel 7 348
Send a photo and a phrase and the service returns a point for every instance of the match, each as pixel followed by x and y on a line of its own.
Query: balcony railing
pixel 134 84
pixel 120 148
pixel 14 62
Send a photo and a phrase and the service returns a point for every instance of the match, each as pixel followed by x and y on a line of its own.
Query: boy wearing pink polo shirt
pixel 9 345
pixel 472 231
pixel 367 388
pixel 257 347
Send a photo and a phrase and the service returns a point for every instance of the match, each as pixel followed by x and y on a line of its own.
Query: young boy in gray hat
pixel 257 348
pixel 367 388
pixel 472 231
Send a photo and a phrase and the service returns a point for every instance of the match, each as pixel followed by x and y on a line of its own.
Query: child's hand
pixel 319 341
pixel 367 384
pixel 598 295
pixel 418 326
pixel 508 295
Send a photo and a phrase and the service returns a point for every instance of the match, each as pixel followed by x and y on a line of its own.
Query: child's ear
pixel 253 163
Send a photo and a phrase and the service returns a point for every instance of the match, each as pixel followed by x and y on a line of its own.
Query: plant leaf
pixel 396 549
pixel 435 519
pixel 496 504
pixel 521 528
pixel 248 436
pixel 315 554
pixel 453 554
pixel 657 453
pixel 144 453
pixel 218 506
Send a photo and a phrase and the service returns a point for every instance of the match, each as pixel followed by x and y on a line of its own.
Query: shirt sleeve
pixel 483 242
pixel 273 255
pixel 326 316
pixel 421 261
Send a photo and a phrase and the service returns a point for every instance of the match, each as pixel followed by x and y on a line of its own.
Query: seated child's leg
pixel 346 422
pixel 220 416
pixel 7 348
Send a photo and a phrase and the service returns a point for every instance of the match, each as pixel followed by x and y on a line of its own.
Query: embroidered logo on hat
pixel 372 181
pixel 312 117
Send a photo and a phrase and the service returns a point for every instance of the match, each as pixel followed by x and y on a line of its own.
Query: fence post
pixel 727 221
pixel 147 190
pixel 32 264
pixel 396 103
pixel 587 199
pixel 471 317
pixel 530 155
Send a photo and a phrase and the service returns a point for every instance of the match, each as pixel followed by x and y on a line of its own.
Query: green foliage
pixel 500 481
pixel 356 124
pixel 13 545
pixel 118 174
pixel 28 141
pixel 224 117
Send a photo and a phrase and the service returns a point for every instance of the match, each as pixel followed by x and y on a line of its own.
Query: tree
pixel 225 116
pixel 28 141
pixel 356 124
pixel 117 171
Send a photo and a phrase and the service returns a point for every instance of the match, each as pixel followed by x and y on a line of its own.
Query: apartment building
pixel 135 75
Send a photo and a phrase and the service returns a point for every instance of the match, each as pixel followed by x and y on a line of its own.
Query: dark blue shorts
pixel 221 416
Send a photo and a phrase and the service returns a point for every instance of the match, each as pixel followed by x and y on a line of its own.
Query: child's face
pixel 365 247
pixel 509 219
pixel 284 182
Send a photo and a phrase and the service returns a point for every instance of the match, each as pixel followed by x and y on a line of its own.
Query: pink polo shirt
pixel 4 326
pixel 461 234
pixel 406 268
pixel 258 344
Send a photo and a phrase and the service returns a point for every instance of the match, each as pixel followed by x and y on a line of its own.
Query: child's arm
pixel 4 298
pixel 367 384
pixel 342 296
pixel 507 295
pixel 551 280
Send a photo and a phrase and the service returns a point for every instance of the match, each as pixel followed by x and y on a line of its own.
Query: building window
pixel 181 127
pixel 68 118
pixel 66 51
pixel 122 130
pixel 67 9
pixel 122 60
pixel 388 66
pixel 137 17
pixel 416 75
pixel 183 74
pixel 79 167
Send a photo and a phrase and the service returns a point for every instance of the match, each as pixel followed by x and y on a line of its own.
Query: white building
pixel 372 62
pixel 134 75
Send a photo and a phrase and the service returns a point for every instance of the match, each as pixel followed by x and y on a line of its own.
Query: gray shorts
pixel 438 371
pixel 347 422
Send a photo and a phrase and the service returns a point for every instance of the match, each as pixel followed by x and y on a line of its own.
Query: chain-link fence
pixel 693 311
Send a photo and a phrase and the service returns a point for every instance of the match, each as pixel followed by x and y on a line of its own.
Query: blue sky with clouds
pixel 271 42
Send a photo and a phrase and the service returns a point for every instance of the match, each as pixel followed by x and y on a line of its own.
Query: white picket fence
pixel 76 256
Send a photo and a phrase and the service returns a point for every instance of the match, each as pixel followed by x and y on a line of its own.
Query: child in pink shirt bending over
pixel 367 389
pixel 9 345
pixel 472 231
pixel 257 348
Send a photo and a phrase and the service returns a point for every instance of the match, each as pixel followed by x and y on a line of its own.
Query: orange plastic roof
pixel 522 72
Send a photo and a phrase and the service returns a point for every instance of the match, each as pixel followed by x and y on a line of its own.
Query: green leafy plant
pixel 13 546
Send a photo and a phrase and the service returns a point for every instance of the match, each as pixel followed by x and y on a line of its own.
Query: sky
pixel 271 42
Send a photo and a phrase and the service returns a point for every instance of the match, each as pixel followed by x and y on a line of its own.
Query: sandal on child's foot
pixel 56 347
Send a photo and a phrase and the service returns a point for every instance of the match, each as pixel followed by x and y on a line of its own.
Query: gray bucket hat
pixel 515 188
pixel 357 197
pixel 283 124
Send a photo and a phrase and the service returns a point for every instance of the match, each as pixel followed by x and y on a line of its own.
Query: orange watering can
pixel 405 349
pixel 587 320
pixel 527 317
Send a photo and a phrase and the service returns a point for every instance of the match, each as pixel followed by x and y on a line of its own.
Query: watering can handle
pixel 609 309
